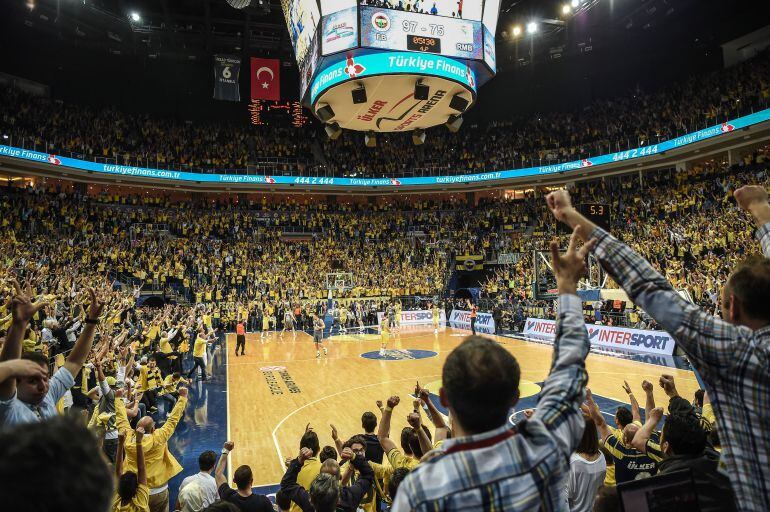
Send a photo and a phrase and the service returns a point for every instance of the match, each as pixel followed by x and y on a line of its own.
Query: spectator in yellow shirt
pixel 132 494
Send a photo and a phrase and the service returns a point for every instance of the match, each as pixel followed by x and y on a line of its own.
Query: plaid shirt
pixel 731 359
pixel 514 470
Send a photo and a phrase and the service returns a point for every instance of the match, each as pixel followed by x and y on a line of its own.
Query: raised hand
pixel 138 434
pixel 750 195
pixel 626 388
pixel 570 266
pixel 559 203
pixel 334 432
pixel 647 386
pixel 379 405
pixel 393 401
pixel 25 369
pixel 229 446
pixel 347 454
pixel 22 307
pixel 98 301
pixel 414 420
pixel 656 414
pixel 306 453
pixel 182 392
pixel 668 385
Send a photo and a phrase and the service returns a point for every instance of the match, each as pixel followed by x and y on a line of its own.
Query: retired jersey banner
pixel 651 342
pixel 227 70
pixel 265 79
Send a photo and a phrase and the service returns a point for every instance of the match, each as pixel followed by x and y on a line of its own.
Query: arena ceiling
pixel 194 29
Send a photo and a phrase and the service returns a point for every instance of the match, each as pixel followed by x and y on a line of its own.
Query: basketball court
pixel 280 386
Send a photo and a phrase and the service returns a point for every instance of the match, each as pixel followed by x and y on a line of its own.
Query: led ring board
pixel 391 65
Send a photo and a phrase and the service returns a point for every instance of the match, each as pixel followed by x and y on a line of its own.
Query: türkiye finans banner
pixel 227 70
pixel 265 79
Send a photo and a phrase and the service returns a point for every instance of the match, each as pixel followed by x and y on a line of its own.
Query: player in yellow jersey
pixel 384 334
pixel 436 318
pixel 397 309
pixel 265 323
pixel 343 319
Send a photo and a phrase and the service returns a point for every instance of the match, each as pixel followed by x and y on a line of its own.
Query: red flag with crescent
pixel 265 79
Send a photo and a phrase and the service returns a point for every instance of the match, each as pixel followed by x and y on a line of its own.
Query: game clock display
pixel 423 44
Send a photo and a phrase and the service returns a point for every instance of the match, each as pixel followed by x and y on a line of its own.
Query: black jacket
pixel 715 494
pixel 350 496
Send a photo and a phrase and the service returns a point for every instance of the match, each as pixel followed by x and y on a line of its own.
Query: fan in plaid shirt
pixel 731 354
pixel 489 466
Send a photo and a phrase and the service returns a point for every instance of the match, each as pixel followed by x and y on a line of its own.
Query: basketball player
pixel 436 317
pixel 397 314
pixel 343 319
pixel 384 333
pixel 265 323
pixel 335 319
pixel 318 335
pixel 474 310
pixel 288 322
pixel 360 316
pixel 390 313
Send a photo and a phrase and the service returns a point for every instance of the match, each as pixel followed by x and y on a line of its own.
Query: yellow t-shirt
pixel 139 503
pixel 200 347
pixel 398 460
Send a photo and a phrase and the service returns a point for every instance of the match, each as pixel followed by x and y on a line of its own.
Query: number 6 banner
pixel 227 69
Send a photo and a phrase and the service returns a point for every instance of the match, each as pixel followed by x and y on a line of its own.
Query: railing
pixel 283 166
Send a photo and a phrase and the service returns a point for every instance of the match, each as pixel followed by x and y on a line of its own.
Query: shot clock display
pixel 599 214
pixel 423 44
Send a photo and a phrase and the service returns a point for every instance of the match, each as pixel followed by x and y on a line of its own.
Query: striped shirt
pixel 513 470
pixel 731 359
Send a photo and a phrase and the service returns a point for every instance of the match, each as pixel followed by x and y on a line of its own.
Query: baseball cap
pixel 111 381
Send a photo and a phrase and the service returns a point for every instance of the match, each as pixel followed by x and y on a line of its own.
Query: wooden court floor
pixel 280 386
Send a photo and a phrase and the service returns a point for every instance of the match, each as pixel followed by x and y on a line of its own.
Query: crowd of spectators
pixel 638 119
pixel 124 378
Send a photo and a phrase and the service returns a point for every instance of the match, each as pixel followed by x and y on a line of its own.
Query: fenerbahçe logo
pixel 380 22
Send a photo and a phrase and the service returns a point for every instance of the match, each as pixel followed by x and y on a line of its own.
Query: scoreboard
pixel 409 31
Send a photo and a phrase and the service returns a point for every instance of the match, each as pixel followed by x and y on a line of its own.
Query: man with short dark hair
pixel 242 496
pixel 683 447
pixel 374 452
pixel 63 457
pixel 487 463
pixel 310 466
pixel 730 353
pixel 206 486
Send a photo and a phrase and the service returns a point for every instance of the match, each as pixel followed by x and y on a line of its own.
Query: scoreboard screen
pixel 389 29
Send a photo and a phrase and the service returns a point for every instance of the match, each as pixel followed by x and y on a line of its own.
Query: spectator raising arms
pixel 486 461
pixel 730 353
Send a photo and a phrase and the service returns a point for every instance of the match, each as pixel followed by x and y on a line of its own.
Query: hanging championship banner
pixel 227 69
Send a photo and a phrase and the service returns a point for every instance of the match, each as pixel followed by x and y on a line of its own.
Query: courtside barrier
pixel 650 342
pixel 462 320
pixel 420 317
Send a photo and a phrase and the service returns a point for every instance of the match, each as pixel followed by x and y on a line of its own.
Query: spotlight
pixel 531 27
pixel 325 113
pixel 458 103
pixel 359 95
pixel 333 130
pixel 566 9
pixel 454 123
pixel 421 91
pixel 516 31
pixel 135 16
pixel 370 139
pixel 418 137
pixel 575 3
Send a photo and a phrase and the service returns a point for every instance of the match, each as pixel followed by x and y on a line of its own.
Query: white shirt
pixel 584 479
pixel 207 483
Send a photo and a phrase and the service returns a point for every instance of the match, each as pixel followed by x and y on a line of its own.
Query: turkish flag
pixel 265 79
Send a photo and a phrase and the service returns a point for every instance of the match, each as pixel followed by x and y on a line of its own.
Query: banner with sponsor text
pixel 421 317
pixel 652 342
pixel 462 320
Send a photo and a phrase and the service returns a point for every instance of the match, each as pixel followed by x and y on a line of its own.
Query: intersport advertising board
pixel 462 319
pixel 650 342
pixel 420 317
